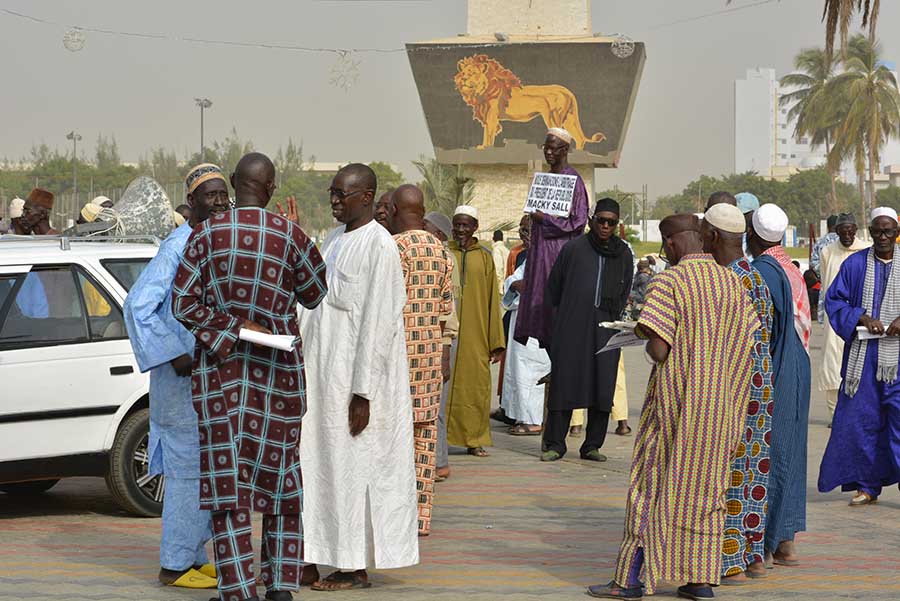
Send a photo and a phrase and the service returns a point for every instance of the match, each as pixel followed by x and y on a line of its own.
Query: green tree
pixel 889 197
pixel 873 111
pixel 106 154
pixel 445 186
pixel 838 14
pixel 387 176
pixel 815 107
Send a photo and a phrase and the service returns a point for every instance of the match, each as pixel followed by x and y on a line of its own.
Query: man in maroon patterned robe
pixel 248 268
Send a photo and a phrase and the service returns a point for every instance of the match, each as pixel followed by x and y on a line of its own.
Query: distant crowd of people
pixel 392 327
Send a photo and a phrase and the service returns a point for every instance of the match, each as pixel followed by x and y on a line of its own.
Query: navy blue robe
pixel 863 451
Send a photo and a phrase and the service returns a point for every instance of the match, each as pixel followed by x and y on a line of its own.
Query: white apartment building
pixel 763 135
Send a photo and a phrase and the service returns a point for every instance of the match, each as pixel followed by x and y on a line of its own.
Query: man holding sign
pixel 558 203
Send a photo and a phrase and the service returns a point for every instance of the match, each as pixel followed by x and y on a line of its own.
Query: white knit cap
pixel 883 212
pixel 15 207
pixel 100 200
pixel 466 210
pixel 561 134
pixel 770 222
pixel 727 218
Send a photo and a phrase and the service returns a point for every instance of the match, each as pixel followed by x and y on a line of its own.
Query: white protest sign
pixel 551 193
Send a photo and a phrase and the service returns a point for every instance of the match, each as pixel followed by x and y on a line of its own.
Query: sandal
pixel 477 452
pixel 523 430
pixel 341 581
pixel 624 430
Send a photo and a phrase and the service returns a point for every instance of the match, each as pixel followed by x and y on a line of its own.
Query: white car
pixel 74 402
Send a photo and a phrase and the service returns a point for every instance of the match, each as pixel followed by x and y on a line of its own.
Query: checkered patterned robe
pixel 247 264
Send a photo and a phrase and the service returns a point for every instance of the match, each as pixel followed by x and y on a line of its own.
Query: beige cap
pixel 90 212
pixel 726 217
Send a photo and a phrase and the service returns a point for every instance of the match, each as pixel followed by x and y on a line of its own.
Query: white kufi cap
pixel 16 205
pixel 727 218
pixel 561 134
pixel 770 222
pixel 883 212
pixel 466 210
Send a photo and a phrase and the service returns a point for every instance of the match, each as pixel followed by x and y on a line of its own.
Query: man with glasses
pixel 789 347
pixel 863 452
pixel 831 257
pixel 357 447
pixel 165 348
pixel 590 283
pixel 548 236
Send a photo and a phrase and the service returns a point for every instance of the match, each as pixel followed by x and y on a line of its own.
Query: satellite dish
pixel 144 209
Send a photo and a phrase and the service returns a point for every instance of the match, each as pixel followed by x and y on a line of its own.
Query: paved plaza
pixel 505 527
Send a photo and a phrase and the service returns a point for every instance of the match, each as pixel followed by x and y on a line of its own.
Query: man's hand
pixel 252 325
pixel 517 286
pixel 894 328
pixel 182 365
pixel 873 325
pixel 291 213
pixel 497 354
pixel 446 368
pixel 537 217
pixel 359 414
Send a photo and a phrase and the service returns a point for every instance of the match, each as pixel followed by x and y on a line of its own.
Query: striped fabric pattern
pixel 247 264
pixel 692 418
pixel 748 498
pixel 802 310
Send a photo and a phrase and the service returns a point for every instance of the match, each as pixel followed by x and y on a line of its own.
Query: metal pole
pixel 202 149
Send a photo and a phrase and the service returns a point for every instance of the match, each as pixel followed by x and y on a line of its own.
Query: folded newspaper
pixel 863 333
pixel 282 342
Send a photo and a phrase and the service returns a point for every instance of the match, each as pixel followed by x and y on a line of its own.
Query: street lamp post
pixel 203 103
pixel 75 139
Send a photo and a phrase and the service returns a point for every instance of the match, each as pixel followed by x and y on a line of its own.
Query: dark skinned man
pixel 789 347
pixel 427 272
pixel 589 283
pixel 700 324
pixel 743 551
pixel 36 214
pixel 863 452
pixel 165 348
pixel 357 447
pixel 480 337
pixel 548 236
pixel 720 197
pixel 381 208
pixel 248 268
pixel 831 257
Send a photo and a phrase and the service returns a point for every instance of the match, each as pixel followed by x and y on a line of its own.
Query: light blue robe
pixel 174 445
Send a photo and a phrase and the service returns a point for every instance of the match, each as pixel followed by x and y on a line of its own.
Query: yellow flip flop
pixel 194 579
pixel 208 569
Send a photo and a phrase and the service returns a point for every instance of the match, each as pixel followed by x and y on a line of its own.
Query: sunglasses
pixel 891 233
pixel 605 221
pixel 342 195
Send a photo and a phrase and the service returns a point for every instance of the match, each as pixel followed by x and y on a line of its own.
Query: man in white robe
pixel 356 448
pixel 523 397
pixel 831 257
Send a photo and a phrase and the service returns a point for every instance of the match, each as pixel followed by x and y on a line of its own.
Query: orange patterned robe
pixel 427 272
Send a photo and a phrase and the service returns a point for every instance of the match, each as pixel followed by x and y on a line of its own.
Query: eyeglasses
pixel 342 195
pixel 890 234
pixel 605 221
pixel 553 149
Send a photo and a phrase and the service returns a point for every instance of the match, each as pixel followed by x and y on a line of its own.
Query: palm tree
pixel 445 187
pixel 838 14
pixel 815 111
pixel 873 109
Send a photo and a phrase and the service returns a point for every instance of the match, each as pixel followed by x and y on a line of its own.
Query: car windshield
pixel 126 271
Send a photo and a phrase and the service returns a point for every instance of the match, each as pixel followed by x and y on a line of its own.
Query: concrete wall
pixel 530 17
pixel 501 190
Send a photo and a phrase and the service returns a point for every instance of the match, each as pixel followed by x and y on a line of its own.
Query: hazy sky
pixel 142 90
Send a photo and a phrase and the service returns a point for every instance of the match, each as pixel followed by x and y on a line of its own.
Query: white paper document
pixel 864 334
pixel 551 193
pixel 282 342
pixel 621 340
pixel 625 326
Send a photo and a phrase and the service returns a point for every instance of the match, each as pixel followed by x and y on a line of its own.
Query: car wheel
pixel 35 487
pixel 128 479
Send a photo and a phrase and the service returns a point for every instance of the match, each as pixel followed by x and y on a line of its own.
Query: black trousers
pixel 556 429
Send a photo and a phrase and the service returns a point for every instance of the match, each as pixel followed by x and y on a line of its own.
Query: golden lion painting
pixel 496 94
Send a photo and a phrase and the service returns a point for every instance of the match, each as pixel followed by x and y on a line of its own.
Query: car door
pixel 65 362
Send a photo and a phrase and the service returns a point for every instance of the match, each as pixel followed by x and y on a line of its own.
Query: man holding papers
pixel 863 453
pixel 248 268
